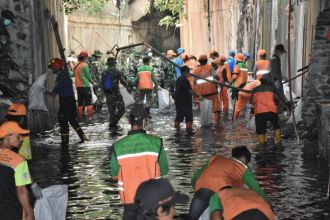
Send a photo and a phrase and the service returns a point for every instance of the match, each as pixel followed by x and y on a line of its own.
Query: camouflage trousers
pixel 99 97
pixel 116 107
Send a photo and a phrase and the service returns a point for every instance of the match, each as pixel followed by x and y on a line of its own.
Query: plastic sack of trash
pixel 163 99
pixel 297 113
pixel 206 112
pixel 128 98
pixel 205 215
pixel 286 90
pixel 36 94
pixel 53 204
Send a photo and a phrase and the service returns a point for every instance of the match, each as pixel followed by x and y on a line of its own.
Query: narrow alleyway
pixel 295 183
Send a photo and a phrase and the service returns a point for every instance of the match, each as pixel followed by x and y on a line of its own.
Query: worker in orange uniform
pixel 244 97
pixel 17 113
pixel 206 89
pixel 261 67
pixel 239 75
pixel 214 55
pixel 219 172
pixel 145 79
pixel 136 157
pixel 224 76
pixel 83 81
pixel 239 204
pixel 265 109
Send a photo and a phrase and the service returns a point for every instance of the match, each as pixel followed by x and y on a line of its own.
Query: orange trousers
pixel 215 102
pixel 224 100
pixel 240 104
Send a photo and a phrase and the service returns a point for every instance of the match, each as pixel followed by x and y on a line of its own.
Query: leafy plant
pixel 173 8
pixel 91 6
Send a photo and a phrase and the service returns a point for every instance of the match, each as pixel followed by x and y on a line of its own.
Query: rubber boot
pixel 216 118
pixel 64 140
pixel 278 137
pixel 81 135
pixel 90 113
pixel 189 127
pixel 81 113
pixel 261 139
pixel 177 125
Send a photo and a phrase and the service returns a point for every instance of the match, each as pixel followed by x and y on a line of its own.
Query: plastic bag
pixel 53 204
pixel 163 99
pixel 36 94
pixel 206 112
pixel 297 113
pixel 128 98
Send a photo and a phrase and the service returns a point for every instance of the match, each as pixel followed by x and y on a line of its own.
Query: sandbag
pixel 128 98
pixel 53 204
pixel 36 94
pixel 163 99
pixel 206 114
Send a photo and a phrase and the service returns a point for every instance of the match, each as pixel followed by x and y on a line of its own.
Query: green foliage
pixel 175 8
pixel 91 6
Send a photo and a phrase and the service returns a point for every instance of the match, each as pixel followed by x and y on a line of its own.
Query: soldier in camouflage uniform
pixel 97 68
pixel 114 99
pixel 168 76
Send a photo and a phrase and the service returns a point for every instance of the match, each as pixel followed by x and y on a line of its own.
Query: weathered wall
pixel 126 26
pixel 318 81
pixel 32 44
pixel 249 25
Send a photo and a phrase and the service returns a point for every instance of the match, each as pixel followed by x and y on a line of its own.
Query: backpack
pixel 107 82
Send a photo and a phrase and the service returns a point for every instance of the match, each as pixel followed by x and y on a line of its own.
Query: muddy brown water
pixel 293 179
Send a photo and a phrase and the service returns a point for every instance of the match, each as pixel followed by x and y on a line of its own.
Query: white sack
pixel 53 204
pixel 163 99
pixel 297 113
pixel 287 92
pixel 36 94
pixel 206 114
pixel 128 98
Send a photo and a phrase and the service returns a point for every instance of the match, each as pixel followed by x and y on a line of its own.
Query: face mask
pixel 7 22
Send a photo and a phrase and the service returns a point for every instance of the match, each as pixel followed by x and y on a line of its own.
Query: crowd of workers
pixel 139 160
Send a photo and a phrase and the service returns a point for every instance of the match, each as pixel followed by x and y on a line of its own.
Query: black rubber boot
pixel 82 135
pixel 64 140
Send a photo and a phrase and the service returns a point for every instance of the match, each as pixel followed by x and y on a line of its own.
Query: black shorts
pixel 84 96
pixel 262 120
pixel 183 112
pixel 254 214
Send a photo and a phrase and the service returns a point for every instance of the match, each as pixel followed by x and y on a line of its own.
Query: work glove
pixel 36 190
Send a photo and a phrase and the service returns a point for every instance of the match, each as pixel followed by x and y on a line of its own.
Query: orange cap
pixel 262 52
pixel 17 109
pixel 83 54
pixel 223 58
pixel 239 57
pixel 11 127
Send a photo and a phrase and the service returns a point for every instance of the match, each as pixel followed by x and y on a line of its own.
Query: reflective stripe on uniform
pixel 137 155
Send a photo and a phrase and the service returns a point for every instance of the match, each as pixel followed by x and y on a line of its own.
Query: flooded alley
pixel 295 183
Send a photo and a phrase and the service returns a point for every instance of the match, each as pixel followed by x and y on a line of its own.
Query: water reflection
pixel 293 180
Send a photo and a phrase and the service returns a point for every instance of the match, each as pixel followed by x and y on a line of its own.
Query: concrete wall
pixel 318 86
pixel 251 25
pixel 32 44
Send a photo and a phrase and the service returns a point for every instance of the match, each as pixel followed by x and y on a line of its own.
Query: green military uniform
pixel 97 68
pixel 168 76
pixel 114 99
